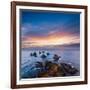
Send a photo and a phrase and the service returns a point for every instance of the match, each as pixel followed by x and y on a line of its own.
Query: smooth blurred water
pixel 71 56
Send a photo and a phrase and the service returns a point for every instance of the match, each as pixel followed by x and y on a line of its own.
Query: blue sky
pixel 38 25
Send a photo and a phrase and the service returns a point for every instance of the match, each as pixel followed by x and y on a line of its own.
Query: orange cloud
pixel 50 39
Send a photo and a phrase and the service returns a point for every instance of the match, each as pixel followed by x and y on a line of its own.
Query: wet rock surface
pixel 56 70
pixel 46 68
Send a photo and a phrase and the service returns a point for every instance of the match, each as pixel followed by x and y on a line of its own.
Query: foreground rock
pixel 57 70
pixel 50 69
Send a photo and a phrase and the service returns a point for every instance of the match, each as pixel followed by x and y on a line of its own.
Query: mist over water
pixel 70 55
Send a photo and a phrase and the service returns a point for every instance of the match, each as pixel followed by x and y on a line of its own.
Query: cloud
pixel 52 39
pixel 48 28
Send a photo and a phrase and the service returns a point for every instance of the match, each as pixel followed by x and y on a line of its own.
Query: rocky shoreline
pixel 47 68
pixel 57 70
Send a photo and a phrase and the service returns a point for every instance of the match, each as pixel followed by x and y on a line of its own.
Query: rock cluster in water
pixel 55 70
pixel 50 68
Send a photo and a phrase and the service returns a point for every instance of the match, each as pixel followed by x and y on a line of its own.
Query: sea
pixel 27 65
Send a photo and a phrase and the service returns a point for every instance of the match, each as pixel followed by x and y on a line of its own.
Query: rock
pixel 39 52
pixel 43 74
pixel 43 51
pixel 31 54
pixel 53 70
pixel 56 57
pixel 35 54
pixel 73 71
pixel 43 56
pixel 48 64
pixel 48 54
pixel 68 69
pixel 39 65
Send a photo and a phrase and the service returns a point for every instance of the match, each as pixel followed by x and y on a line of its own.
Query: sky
pixel 48 28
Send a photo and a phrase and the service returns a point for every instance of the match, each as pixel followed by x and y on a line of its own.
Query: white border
pixel 56 79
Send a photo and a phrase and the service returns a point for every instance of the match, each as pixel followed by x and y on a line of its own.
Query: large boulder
pixel 56 57
pixel 68 69
pixel 43 56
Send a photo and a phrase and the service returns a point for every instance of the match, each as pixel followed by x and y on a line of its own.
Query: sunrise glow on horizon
pixel 40 29
pixel 49 40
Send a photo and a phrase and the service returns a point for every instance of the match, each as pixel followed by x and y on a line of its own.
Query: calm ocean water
pixel 71 56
